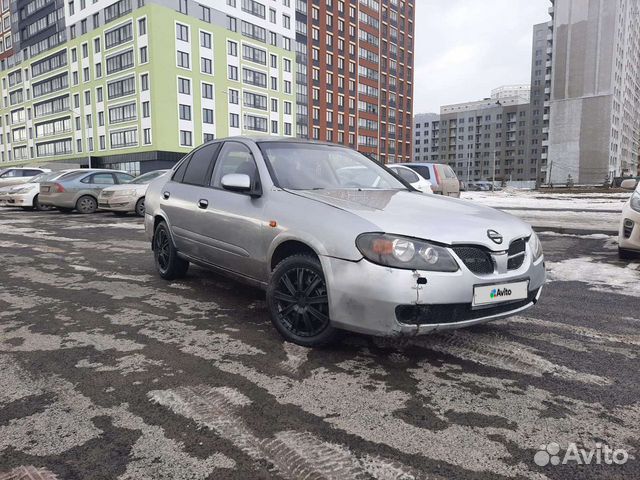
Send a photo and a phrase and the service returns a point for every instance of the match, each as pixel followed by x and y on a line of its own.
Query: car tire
pixel 168 264
pixel 140 207
pixel 624 254
pixel 86 204
pixel 39 207
pixel 298 302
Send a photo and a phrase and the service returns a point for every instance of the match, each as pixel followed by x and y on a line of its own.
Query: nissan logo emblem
pixel 495 236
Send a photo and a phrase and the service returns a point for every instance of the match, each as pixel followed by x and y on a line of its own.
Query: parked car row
pixel 83 190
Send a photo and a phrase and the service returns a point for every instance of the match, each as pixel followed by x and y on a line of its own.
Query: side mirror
pixel 236 182
pixel 629 184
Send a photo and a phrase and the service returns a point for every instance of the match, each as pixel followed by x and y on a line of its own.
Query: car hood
pixel 139 188
pixel 430 217
pixel 5 182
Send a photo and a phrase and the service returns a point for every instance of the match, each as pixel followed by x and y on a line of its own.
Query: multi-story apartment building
pixel 135 84
pixel 540 93
pixel 483 139
pixel 355 74
pixel 595 89
pixel 426 137
pixel 6 39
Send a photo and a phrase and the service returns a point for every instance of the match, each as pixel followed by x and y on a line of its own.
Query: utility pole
pixel 493 183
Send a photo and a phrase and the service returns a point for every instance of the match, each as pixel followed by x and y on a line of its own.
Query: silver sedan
pixel 334 251
pixel 79 189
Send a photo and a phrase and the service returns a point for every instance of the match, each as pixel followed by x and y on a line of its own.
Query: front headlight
pixel 406 253
pixel 535 246
pixel 124 193
pixel 635 201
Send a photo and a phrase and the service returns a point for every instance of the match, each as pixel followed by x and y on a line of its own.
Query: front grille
pixel 476 259
pixel 454 312
pixel 516 254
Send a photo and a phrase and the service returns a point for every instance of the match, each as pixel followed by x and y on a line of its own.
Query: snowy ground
pixel 593 212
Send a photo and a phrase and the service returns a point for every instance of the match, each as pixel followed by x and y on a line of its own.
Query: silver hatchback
pixel 334 251
pixel 79 189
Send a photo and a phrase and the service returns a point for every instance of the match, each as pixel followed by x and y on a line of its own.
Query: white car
pixel 128 197
pixel 25 195
pixel 416 180
pixel 629 236
pixel 17 175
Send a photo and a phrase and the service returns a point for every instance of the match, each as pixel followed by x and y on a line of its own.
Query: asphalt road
pixel 107 371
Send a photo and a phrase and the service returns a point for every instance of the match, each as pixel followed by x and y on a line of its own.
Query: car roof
pixel 423 164
pixel 273 139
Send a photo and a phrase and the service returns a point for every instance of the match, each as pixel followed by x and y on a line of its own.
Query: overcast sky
pixel 464 48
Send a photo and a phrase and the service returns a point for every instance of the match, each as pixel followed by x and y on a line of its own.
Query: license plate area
pixel 500 293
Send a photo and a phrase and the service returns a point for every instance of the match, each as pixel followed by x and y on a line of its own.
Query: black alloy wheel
pixel 298 301
pixel 169 265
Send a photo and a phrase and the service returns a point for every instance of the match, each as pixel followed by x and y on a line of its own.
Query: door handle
pixel 202 203
pixel 166 195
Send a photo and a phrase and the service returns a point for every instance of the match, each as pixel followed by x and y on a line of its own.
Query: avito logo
pixel 500 292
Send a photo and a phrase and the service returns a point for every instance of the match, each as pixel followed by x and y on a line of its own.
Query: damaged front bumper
pixel 382 301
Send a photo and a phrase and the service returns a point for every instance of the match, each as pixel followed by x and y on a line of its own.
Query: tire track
pixel 295 455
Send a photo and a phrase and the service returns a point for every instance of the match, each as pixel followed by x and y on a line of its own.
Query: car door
pixel 93 184
pixel 185 196
pixel 234 222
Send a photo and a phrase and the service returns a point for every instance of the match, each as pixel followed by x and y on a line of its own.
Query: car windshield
pixel 307 166
pixel 147 177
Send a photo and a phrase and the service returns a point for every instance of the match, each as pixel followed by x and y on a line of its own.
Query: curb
pixel 574 231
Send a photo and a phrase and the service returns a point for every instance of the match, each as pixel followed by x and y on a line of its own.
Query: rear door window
pixel 102 179
pixel 407 175
pixel 199 168
pixel 422 170
pixel 178 175
pixel 11 173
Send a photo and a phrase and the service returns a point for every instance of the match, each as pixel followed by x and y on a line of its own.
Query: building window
pixel 233 72
pixel 143 55
pixel 234 120
pixel 234 97
pixel 207 91
pixel 183 59
pixel 145 110
pixel 147 136
pixel 205 40
pixel 144 82
pixel 185 112
pixel 232 48
pixel 142 26
pixel 205 14
pixel 184 86
pixel 206 66
pixel 182 32
pixel 207 115
pixel 185 138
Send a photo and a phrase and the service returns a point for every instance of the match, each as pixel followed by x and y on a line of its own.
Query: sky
pixel 465 48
